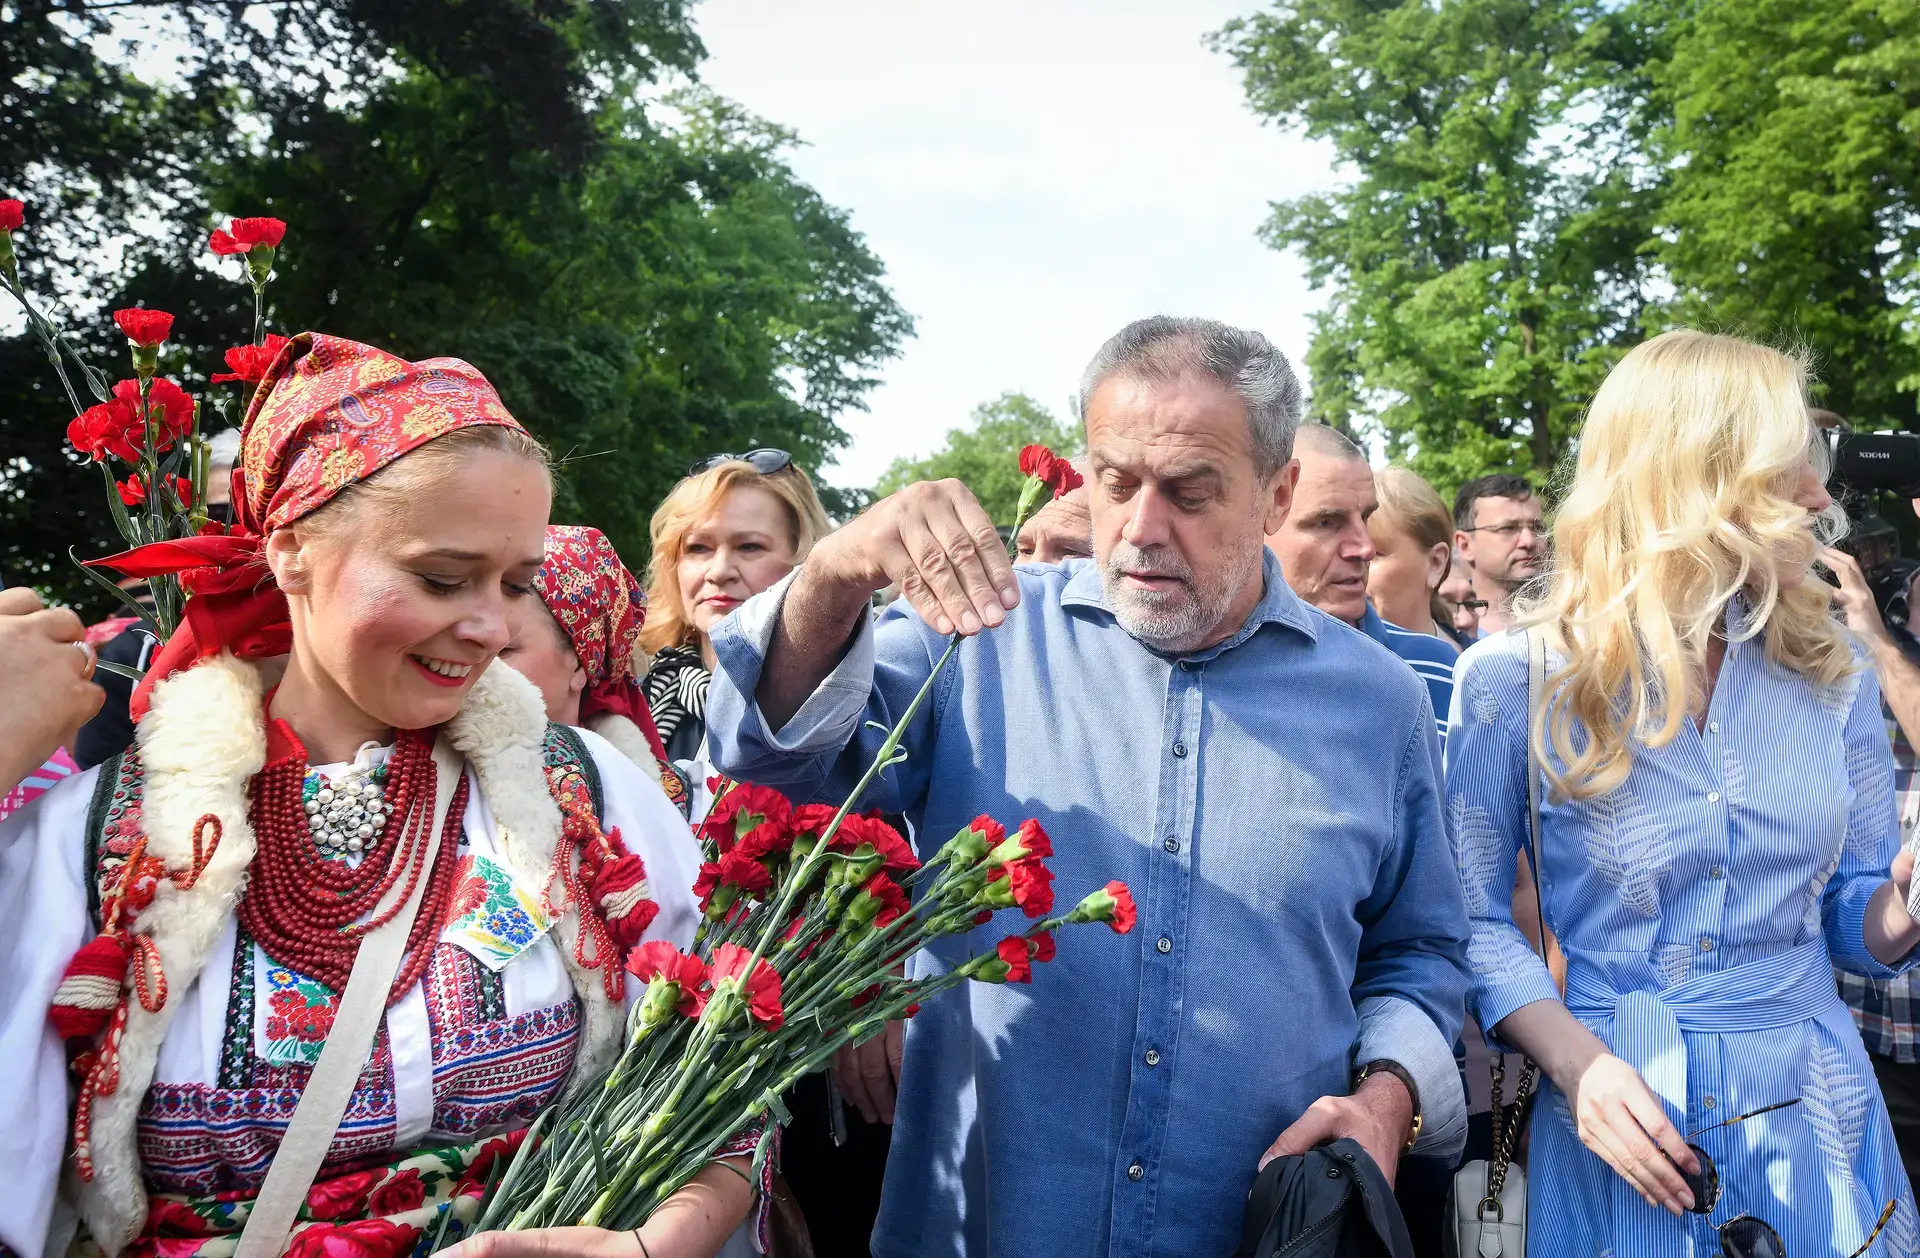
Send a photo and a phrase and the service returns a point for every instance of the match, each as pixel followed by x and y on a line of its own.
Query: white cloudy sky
pixel 1034 174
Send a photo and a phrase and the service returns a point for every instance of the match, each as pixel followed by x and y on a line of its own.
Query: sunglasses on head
pixel 765 461
pixel 1746 1236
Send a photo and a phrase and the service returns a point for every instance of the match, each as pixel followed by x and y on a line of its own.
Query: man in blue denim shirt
pixel 1262 776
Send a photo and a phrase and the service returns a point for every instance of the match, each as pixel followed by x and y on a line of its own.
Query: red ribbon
pixel 234 604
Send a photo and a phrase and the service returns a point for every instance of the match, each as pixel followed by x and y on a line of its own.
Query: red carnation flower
pixel 1013 951
pixel 133 491
pixel 1042 946
pixel 12 215
pixel 858 830
pixel 741 810
pixel 879 901
pixel 1044 465
pixel 1123 910
pixel 761 990
pixel 812 820
pixel 168 405
pixel 143 326
pixel 1112 904
pixel 1030 841
pixel 1026 883
pixel 249 363
pixel 660 959
pixel 109 428
pixel 242 234
pixel 741 873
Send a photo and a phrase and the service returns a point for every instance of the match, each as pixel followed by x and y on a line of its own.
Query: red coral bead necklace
pixel 303 906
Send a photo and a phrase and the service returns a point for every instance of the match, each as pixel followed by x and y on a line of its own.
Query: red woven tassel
pixel 90 989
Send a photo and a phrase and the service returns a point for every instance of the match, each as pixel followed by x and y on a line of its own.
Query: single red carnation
pixel 747 875
pixel 1013 951
pixel 143 326
pixel 880 900
pixel 133 491
pixel 1029 885
pixel 1044 465
pixel 242 234
pixel 761 990
pixel 812 819
pixel 167 403
pixel 1042 946
pixel 858 829
pixel 109 428
pixel 1033 837
pixel 741 810
pixel 249 363
pixel 659 959
pixel 12 215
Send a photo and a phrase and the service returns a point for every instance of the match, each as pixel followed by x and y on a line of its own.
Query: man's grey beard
pixel 1169 623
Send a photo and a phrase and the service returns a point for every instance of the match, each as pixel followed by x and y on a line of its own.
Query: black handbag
pixel 1329 1202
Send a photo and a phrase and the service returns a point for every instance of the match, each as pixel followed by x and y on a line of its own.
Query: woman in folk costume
pixel 580 644
pixel 319 950
pixel 1717 830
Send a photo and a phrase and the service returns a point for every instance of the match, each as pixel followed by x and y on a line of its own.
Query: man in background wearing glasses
pixel 1501 536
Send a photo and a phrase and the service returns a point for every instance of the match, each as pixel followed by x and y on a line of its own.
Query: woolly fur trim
pixel 201 745
pixel 628 741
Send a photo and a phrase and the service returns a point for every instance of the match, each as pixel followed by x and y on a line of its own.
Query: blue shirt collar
pixel 1373 626
pixel 1278 605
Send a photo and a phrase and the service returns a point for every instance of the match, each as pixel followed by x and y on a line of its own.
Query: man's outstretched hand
pixel 1378 1115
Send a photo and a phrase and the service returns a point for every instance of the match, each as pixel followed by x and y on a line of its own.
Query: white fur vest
pixel 201 744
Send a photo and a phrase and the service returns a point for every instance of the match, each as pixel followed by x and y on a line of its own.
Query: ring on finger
pixel 86 650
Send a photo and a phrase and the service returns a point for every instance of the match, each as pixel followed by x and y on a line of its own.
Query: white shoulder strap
pixel 317 1118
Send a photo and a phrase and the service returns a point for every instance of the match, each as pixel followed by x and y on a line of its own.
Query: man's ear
pixel 1463 547
pixel 1279 497
pixel 290 561
pixel 577 680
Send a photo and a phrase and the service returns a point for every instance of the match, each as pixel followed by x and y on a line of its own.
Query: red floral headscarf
pixel 328 413
pixel 601 608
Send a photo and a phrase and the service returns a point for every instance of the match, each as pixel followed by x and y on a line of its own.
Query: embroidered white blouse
pixel 44 918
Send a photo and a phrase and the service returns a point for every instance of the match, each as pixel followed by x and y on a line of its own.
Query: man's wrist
pixel 1383 1074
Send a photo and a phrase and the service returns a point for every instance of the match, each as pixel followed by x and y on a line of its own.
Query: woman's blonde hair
pixel 1416 509
pixel 693 500
pixel 1680 500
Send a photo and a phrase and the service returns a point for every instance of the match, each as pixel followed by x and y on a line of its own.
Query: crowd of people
pixel 1412 798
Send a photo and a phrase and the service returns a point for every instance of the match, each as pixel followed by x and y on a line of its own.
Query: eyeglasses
pixel 766 461
pixel 1474 605
pixel 1746 1236
pixel 1507 532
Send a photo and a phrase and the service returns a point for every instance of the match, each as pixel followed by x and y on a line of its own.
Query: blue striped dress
pixel 1699 905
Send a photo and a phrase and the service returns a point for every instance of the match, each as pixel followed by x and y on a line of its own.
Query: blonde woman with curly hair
pixel 1717 830
pixel 734 526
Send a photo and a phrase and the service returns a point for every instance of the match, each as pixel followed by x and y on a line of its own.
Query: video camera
pixel 1865 465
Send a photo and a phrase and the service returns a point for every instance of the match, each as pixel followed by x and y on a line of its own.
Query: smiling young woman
pixel 195 917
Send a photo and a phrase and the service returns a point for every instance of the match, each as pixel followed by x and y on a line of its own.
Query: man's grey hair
pixel 1330 442
pixel 1164 349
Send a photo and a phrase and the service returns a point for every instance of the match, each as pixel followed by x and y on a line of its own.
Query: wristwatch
pixel 1394 1068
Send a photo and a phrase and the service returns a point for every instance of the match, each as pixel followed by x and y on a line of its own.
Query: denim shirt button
pixel 1179 751
pixel 1136 1172
pixel 1172 844
pixel 1165 944
pixel 1153 1057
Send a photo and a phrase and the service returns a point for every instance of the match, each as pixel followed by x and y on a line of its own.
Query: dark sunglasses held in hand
pixel 1746 1236
pixel 766 461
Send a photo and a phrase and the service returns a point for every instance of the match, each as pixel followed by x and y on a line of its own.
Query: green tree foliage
pixel 1483 258
pixel 642 275
pixel 985 455
pixel 1789 130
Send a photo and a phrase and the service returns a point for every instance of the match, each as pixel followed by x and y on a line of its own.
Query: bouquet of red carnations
pixel 809 912
pixel 149 424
